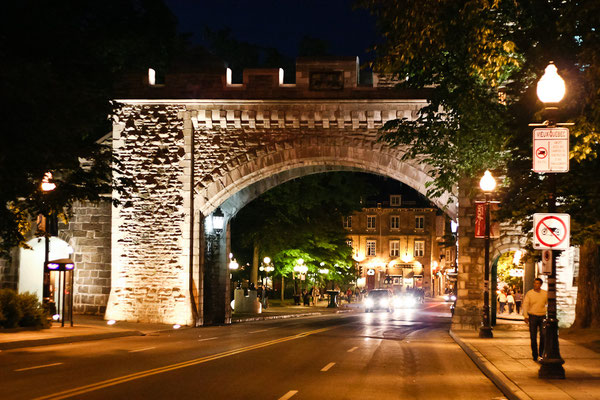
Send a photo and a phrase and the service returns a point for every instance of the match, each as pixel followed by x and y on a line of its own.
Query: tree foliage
pixel 60 62
pixel 302 219
pixel 481 61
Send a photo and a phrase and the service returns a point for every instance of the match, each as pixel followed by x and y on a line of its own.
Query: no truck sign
pixel 551 150
pixel 551 231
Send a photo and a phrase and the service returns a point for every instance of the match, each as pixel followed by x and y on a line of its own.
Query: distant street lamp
pixel 487 184
pixel 551 89
pixel 266 267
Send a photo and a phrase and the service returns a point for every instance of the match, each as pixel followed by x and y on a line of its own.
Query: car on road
pixel 379 299
pixel 406 300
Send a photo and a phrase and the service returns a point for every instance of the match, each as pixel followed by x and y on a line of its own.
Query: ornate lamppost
pixel 266 267
pixel 487 184
pixel 47 186
pixel 551 90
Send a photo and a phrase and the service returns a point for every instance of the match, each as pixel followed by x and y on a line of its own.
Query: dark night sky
pixel 281 23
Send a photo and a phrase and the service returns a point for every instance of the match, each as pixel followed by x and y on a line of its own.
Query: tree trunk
pixel 282 288
pixel 254 273
pixel 587 309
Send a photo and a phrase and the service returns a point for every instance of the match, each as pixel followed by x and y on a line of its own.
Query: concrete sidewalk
pixel 88 327
pixel 506 360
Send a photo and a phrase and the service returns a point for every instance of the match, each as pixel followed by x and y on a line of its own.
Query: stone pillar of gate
pixel 216 308
pixel 469 301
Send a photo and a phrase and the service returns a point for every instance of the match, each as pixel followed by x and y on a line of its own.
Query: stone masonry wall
pixel 150 279
pixel 467 314
pixel 89 233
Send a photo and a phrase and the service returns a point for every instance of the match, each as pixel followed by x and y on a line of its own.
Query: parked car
pixel 379 299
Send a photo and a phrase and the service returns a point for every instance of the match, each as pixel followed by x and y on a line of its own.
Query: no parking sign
pixel 551 231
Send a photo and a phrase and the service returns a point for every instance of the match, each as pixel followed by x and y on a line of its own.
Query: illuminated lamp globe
pixel 267 260
pixel 551 87
pixel 218 220
pixel 233 265
pixel 487 182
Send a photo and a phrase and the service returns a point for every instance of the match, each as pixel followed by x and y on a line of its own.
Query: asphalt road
pixel 404 355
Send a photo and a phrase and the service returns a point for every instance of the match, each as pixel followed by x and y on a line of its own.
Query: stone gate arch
pixel 188 156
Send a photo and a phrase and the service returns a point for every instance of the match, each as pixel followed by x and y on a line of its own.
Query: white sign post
pixel 551 231
pixel 551 150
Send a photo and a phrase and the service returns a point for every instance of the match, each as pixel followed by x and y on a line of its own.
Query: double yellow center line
pixel 138 375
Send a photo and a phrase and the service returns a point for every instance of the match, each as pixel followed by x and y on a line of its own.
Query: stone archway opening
pixel 214 271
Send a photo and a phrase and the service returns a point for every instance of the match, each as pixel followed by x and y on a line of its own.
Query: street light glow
pixel 233 264
pixel 47 184
pixel 267 260
pixel 551 87
pixel 487 182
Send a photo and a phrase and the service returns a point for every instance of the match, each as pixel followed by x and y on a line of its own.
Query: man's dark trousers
pixel 535 323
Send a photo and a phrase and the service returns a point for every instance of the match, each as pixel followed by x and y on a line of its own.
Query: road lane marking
pixel 352 349
pixel 208 338
pixel 288 395
pixel 327 367
pixel 37 366
pixel 144 349
pixel 142 374
pixel 262 330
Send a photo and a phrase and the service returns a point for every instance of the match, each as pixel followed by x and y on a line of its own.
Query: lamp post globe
pixel 551 87
pixel 487 183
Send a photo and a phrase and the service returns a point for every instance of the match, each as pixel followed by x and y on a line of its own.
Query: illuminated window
pixel 349 242
pixel 394 248
pixel 395 200
pixel 419 248
pixel 347 222
pixel 371 221
pixel 395 222
pixel 371 247
pixel 419 222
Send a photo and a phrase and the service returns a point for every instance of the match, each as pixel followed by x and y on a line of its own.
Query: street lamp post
pixel 551 90
pixel 47 186
pixel 487 184
pixel 266 267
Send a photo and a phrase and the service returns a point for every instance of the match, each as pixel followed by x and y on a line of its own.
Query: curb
pixel 67 339
pixel 286 316
pixel 506 386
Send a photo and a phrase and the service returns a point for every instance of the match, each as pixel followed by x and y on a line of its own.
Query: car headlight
pixel 397 302
pixel 369 303
pixel 446 297
pixel 383 303
pixel 410 301
pixel 453 298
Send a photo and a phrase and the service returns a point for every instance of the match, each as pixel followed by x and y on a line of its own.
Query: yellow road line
pixel 288 395
pixel 138 375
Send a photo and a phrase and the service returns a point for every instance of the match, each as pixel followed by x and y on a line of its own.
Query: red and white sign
pixel 551 231
pixel 551 150
pixel 480 220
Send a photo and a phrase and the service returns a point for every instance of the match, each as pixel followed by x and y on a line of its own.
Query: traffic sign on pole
pixel 551 150
pixel 551 231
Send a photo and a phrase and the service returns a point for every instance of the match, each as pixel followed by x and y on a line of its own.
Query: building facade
pixel 399 244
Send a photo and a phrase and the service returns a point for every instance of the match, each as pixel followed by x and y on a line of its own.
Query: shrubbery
pixel 21 309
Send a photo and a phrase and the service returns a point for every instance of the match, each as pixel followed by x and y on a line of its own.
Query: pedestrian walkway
pixel 506 360
pixel 85 327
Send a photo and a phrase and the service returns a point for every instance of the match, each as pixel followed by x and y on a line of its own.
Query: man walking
pixel 534 311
